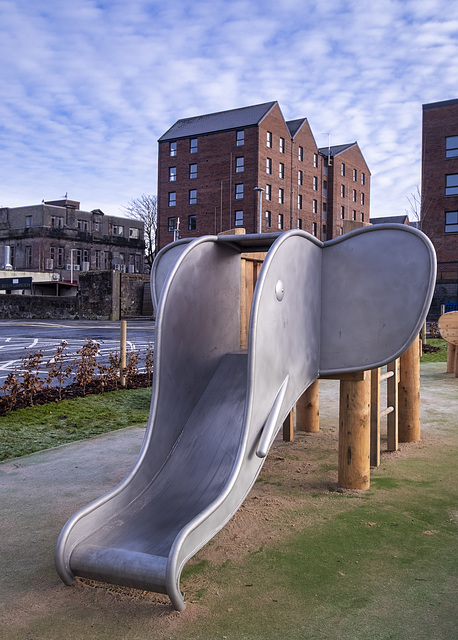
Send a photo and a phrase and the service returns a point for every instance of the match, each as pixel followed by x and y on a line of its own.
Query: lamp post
pixel 260 190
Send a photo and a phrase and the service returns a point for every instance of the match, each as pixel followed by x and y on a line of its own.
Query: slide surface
pixel 350 304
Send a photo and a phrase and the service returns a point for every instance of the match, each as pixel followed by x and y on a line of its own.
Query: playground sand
pixel 300 559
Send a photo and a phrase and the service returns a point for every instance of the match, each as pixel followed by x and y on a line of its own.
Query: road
pixel 18 338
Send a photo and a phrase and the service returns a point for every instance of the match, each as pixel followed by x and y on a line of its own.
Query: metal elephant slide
pixel 349 304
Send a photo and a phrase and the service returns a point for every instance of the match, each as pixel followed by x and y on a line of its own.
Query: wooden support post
pixel 308 410
pixel 451 357
pixel 375 418
pixel 122 353
pixel 409 395
pixel 456 361
pixel 354 433
pixel 392 393
pixel 288 427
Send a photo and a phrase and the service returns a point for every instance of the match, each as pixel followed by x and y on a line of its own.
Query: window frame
pixel 172 199
pixel 192 222
pixel 452 149
pixel 192 171
pixel 192 197
pixel 269 139
pixel 269 166
pixel 170 224
pixel 173 148
pixel 193 142
pixel 240 137
pixel 239 166
pixel 239 191
pixel 172 174
pixel 238 218
pixel 452 189
pixel 451 224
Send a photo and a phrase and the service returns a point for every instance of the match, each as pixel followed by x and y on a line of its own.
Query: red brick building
pixel 439 189
pixel 211 169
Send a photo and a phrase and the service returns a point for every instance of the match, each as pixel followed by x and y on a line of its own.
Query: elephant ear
pixel 377 286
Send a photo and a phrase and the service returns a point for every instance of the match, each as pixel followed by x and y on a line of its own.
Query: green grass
pixel 438 356
pixel 44 426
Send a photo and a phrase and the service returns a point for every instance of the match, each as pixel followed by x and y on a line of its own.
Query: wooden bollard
pixel 409 395
pixel 308 410
pixel 354 432
pixel 122 353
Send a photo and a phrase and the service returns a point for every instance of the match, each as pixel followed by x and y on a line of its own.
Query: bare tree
pixel 144 208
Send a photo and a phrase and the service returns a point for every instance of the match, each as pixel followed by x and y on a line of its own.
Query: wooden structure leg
pixel 375 418
pixel 288 427
pixel 354 433
pixel 451 358
pixel 409 395
pixel 392 420
pixel 308 410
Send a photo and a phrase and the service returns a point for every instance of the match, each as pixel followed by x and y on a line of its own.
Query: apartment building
pixel 250 168
pixel 57 236
pixel 439 189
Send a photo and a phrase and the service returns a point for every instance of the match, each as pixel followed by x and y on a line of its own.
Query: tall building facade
pixel 249 168
pixel 439 199
pixel 57 236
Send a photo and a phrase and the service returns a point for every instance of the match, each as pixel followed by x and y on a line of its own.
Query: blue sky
pixel 87 86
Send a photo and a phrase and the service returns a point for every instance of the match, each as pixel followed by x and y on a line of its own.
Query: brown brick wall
pixel 439 122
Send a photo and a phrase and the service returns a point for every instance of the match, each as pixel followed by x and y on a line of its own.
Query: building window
pixel 172 174
pixel 239 164
pixel 354 195
pixel 451 184
pixel 362 198
pixel 28 257
pixel 315 160
pixel 314 228
pixel 173 149
pixel 238 191
pixel 192 223
pixel 342 213
pixel 314 206
pixel 172 198
pixel 354 214
pixel 315 183
pixel 280 221
pixel 192 196
pixel 240 138
pixel 268 219
pixel 97 259
pixel 300 153
pixel 193 145
pixel 300 177
pixel 281 196
pixel 268 192
pixel 299 201
pixel 340 231
pixel 118 229
pixel 192 171
pixel 325 188
pixel 171 225
pixel 82 225
pixel 269 165
pixel 451 147
pixel 342 169
pixel 362 217
pixel 134 233
pixel 28 221
pixel 238 218
pixel 281 170
pixel 451 222
pixel 299 223
pixel 323 233
pixel 355 175
pixel 269 139
pixel 325 210
pixel 57 221
pixel 342 191
pixel 363 178
pixel 281 145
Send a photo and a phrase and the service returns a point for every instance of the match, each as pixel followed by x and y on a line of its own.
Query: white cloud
pixel 92 85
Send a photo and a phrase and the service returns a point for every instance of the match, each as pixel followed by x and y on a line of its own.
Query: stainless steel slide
pixel 349 304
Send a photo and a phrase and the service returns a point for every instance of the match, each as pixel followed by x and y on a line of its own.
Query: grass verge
pixel 436 356
pixel 44 426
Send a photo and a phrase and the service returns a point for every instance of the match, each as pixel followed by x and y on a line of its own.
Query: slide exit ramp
pixel 350 304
